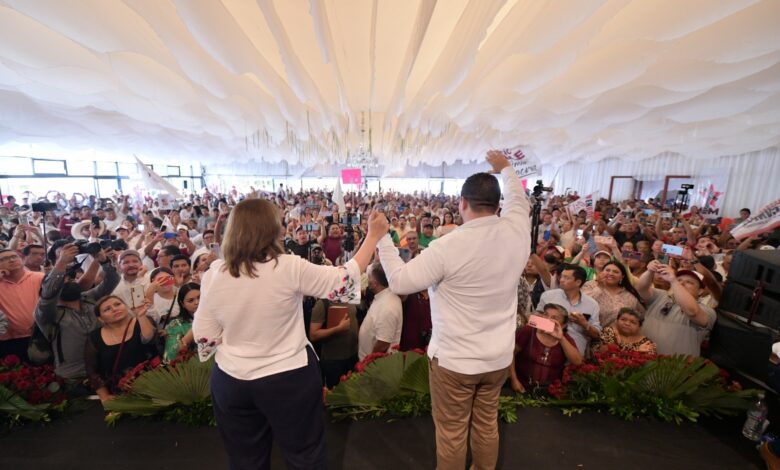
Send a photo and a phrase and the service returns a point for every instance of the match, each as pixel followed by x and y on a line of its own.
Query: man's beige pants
pixel 461 402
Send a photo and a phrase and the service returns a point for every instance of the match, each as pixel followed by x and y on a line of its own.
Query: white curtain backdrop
pixel 754 177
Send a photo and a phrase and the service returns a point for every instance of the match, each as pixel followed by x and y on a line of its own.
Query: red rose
pixel 5 378
pixel 155 362
pixel 35 397
pixel 41 381
pixel 11 360
pixel 47 395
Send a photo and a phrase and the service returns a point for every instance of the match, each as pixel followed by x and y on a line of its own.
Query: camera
pixel 43 206
pixel 687 186
pixel 539 189
pixel 87 248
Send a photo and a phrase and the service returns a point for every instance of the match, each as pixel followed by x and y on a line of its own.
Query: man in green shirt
pixel 339 342
pixel 426 237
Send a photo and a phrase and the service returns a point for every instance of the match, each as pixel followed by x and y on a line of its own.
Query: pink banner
pixel 351 176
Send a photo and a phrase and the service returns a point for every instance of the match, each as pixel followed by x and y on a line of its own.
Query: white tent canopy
pixel 425 81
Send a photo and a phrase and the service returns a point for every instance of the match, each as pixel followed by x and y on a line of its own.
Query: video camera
pixel 87 248
pixel 43 206
pixel 687 186
pixel 539 189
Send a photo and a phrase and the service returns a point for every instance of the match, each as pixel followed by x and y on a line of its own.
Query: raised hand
pixel 497 160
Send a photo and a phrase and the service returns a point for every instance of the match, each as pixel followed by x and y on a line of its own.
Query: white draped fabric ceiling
pixel 414 81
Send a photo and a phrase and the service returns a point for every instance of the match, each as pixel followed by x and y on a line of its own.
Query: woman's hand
pixel 107 397
pixel 517 386
pixel 343 325
pixel 143 309
pixel 378 225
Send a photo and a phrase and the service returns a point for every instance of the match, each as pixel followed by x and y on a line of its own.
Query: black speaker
pixel 738 299
pixel 735 345
pixel 749 267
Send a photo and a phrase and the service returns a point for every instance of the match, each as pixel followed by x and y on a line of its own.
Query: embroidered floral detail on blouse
pixel 346 292
pixel 207 348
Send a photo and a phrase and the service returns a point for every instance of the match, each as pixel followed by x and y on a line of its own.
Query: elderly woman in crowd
pixel 626 333
pixel 612 290
pixel 266 382
pixel 541 356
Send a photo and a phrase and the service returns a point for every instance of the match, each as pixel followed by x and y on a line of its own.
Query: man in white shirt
pixel 471 276
pixel 381 328
pixel 132 287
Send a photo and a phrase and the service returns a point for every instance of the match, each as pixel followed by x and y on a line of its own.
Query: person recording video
pixel 66 314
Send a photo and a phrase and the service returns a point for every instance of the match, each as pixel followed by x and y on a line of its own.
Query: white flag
pixel 524 163
pixel 153 181
pixel 765 220
pixel 338 197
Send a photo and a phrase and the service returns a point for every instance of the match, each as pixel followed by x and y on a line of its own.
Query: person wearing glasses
pixel 19 294
pixel 676 320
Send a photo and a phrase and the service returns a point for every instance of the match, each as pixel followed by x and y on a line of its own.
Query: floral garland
pixel 630 384
pixel 624 383
pixel 28 393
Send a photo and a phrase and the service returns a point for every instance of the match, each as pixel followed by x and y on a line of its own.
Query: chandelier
pixel 363 158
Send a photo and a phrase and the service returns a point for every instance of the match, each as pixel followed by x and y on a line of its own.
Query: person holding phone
pixel 542 350
pixel 677 321
pixel 584 324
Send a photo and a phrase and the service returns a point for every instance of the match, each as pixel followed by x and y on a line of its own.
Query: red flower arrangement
pixel 36 385
pixel 126 382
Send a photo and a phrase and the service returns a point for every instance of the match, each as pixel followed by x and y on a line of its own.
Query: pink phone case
pixel 541 323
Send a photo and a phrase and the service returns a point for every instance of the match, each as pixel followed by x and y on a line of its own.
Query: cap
pixel 127 253
pixel 316 246
pixel 602 252
pixel 182 227
pixel 693 274
pixel 121 227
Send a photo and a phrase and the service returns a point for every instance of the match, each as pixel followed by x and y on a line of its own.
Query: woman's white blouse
pixel 256 324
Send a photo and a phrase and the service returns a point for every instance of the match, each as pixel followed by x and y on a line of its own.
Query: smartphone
pixel 649 211
pixel 541 323
pixel 140 227
pixel 663 259
pixel 137 295
pixel 168 236
pixel 580 232
pixel 602 240
pixel 96 220
pixel 214 247
pixel 631 255
pixel 666 215
pixel 405 254
pixel 163 228
pixel 546 235
pixel 672 250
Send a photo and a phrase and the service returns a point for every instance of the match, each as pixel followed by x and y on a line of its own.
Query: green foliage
pixel 179 393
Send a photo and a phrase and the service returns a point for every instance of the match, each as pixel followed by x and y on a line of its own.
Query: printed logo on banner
pixel 524 164
pixel 711 193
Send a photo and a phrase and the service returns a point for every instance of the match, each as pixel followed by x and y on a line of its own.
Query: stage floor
pixel 541 439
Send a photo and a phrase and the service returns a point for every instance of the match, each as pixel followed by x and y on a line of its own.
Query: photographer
pixel 66 314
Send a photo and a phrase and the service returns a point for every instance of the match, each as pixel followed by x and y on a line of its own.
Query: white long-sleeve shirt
pixel 471 276
pixel 256 324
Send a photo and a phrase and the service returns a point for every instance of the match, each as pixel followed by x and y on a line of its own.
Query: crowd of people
pixel 108 283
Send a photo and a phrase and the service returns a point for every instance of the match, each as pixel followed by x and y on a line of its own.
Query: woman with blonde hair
pixel 266 381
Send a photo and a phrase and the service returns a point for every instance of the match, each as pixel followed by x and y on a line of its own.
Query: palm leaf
pixel 379 381
pixel 186 383
pixel 133 405
pixel 13 404
pixel 415 376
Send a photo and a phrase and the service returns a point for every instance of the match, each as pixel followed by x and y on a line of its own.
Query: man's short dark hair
pixel 578 272
pixel 170 250
pixel 482 192
pixel 430 226
pixel 379 274
pixel 180 257
pixel 745 209
pixel 27 249
pixel 209 231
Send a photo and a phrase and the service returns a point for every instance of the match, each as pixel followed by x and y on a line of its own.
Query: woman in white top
pixel 266 381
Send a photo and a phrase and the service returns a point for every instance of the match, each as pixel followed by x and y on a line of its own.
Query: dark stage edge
pixel 541 439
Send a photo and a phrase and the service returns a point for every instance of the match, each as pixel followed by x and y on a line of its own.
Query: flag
pixel 338 196
pixel 524 163
pixel 153 181
pixel 766 219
